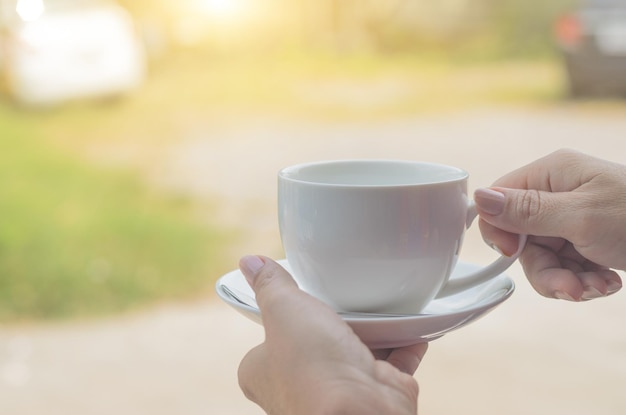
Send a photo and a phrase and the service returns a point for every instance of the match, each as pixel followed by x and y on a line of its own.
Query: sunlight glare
pixel 222 8
pixel 29 10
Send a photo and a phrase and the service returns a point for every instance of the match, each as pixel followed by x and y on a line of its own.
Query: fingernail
pixel 563 296
pixel 489 201
pixel 612 287
pixel 250 266
pixel 591 293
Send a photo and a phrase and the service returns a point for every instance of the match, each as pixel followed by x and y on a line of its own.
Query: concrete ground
pixel 530 356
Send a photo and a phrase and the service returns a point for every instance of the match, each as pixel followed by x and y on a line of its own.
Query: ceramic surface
pixel 440 316
pixel 393 228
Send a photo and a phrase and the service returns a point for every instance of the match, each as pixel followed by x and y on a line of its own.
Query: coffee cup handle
pixel 483 274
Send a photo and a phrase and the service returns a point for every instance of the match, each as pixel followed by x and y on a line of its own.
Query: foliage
pixel 481 28
pixel 522 27
pixel 76 239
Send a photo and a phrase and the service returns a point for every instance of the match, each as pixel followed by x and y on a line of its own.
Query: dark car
pixel 592 38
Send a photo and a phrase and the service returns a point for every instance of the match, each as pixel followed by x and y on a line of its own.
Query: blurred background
pixel 139 143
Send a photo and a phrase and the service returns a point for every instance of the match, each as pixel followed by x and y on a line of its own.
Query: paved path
pixel 530 356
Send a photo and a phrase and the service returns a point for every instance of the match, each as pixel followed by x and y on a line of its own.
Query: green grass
pixel 80 240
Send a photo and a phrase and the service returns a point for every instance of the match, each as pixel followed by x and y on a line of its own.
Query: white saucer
pixel 439 317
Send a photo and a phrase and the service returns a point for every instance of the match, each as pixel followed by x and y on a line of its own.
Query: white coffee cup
pixel 378 235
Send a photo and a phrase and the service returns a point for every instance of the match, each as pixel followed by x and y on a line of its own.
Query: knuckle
pixel 271 285
pixel 247 375
pixel 266 277
pixel 247 390
pixel 566 153
pixel 530 205
pixel 567 156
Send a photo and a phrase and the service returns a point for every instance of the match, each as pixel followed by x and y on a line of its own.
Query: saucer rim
pixel 481 305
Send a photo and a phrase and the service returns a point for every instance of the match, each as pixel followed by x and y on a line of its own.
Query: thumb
pixel 271 283
pixel 285 309
pixel 530 212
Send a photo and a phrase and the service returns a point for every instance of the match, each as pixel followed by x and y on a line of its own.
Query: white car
pixel 57 50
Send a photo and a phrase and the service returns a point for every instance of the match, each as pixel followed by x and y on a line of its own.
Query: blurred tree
pixel 391 25
pixel 523 26
pixel 500 27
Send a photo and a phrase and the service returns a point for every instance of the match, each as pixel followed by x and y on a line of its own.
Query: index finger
pixel 561 171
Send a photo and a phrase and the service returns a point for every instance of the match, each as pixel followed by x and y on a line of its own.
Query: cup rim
pixel 290 173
